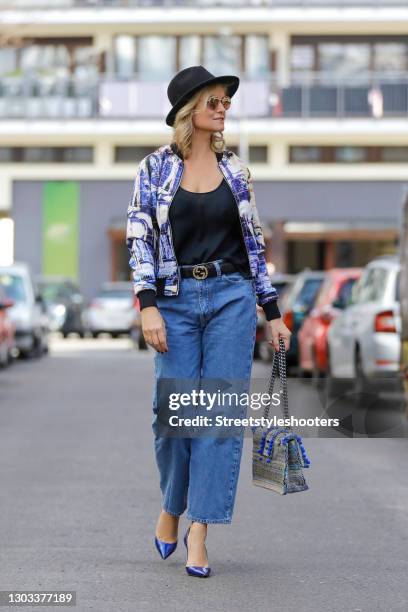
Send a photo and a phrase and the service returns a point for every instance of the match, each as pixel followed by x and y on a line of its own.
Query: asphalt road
pixel 80 499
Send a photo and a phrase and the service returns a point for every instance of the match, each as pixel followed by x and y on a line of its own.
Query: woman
pixel 198 270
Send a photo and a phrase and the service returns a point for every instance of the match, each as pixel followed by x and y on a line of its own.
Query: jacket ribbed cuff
pixel 147 297
pixel 271 310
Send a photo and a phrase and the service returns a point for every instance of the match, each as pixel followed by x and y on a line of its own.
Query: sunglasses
pixel 212 102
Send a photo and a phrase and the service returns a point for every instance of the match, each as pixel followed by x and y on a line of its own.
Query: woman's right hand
pixel 154 328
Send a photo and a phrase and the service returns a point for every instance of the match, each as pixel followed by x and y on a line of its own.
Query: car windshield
pixel 344 295
pixel 308 292
pixel 279 285
pixel 115 294
pixel 13 286
pixel 51 291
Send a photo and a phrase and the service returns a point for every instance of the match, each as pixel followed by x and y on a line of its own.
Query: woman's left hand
pixel 279 329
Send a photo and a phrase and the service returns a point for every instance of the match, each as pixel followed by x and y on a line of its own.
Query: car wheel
pixel 37 349
pixel 95 334
pixel 361 386
pixel 256 350
pixel 333 387
pixel 301 372
pixel 317 376
pixel 4 358
pixel 141 343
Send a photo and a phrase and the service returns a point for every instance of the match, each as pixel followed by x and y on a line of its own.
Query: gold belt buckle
pixel 200 271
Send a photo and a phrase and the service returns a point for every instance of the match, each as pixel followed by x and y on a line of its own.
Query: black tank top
pixel 206 226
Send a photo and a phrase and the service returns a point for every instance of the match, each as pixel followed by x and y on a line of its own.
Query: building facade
pixel 321 117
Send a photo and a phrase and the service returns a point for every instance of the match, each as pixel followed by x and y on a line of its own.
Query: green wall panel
pixel 60 208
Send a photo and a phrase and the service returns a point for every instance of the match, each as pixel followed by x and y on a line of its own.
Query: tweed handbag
pixel 278 453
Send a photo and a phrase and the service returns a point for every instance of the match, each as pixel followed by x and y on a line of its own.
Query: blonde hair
pixel 183 127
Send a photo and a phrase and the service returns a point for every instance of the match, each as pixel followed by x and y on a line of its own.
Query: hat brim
pixel 232 83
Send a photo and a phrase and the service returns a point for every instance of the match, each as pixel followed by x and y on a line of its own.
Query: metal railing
pixel 108 97
pixel 304 4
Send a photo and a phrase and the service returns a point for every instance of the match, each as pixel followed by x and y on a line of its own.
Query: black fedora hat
pixel 188 81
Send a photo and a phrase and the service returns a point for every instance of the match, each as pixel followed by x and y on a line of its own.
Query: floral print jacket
pixel 148 231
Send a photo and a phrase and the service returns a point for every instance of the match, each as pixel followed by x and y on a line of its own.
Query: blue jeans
pixel 210 328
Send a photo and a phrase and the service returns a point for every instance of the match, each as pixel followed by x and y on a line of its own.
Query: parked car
pixel 295 306
pixel 7 330
pixel 364 340
pixel 28 312
pixel 332 297
pixel 112 310
pixel 282 283
pixel 65 304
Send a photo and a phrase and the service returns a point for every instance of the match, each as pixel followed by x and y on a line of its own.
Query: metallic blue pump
pixel 165 548
pixel 195 570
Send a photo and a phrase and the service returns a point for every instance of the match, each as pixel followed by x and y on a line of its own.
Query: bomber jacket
pixel 148 232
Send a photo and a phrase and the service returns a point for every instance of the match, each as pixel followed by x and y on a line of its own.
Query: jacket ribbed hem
pixel 271 310
pixel 147 297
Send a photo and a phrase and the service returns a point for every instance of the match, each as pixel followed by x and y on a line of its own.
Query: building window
pixel 86 63
pixel 305 155
pixel 302 60
pixel 125 56
pixel 343 57
pixel 6 155
pixel 256 56
pixel 8 60
pixel 189 51
pixel 222 54
pixel 344 154
pixel 156 57
pixel 390 56
pixel 50 57
pixel 45 58
pixel 343 60
pixel 46 155
pixel 394 154
pixel 350 154
pixel 159 57
pixel 76 155
pixel 38 154
pixel 130 154
pixel 258 154
pixel 149 57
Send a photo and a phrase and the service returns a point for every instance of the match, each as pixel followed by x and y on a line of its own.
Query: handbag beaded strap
pixel 279 367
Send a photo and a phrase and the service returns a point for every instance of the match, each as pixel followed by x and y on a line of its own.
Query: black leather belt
pixel 204 270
